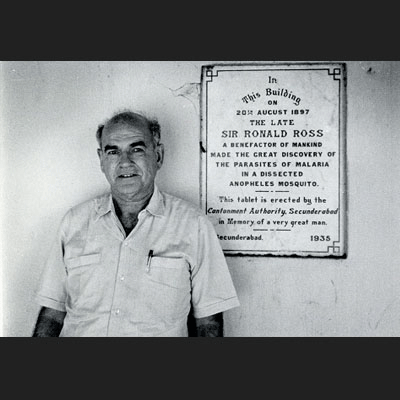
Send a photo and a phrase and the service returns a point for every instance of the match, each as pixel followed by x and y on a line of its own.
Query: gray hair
pixel 132 119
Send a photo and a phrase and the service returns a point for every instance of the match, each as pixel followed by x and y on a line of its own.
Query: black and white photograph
pixel 200 199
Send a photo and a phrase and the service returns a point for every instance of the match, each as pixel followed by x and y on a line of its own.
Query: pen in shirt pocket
pixel 149 257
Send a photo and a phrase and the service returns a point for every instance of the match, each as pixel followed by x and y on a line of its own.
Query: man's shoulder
pixel 180 205
pixel 86 207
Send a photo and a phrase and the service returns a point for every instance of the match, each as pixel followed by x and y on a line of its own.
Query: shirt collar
pixel 156 205
pixel 104 204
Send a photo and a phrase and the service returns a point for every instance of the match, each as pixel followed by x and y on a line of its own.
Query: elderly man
pixel 135 261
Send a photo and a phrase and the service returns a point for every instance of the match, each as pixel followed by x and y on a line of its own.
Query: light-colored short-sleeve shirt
pixel 141 285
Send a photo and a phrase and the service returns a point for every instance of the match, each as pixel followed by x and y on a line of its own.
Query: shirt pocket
pixel 82 261
pixel 173 272
pixel 167 288
pixel 81 279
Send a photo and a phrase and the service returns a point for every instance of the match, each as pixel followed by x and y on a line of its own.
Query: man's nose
pixel 125 158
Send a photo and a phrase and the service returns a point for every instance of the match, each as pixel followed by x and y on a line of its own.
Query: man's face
pixel 130 161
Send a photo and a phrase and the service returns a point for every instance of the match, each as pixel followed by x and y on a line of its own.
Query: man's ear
pixel 160 155
pixel 100 154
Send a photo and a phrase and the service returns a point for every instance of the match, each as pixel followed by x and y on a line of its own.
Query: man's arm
pixel 49 323
pixel 211 326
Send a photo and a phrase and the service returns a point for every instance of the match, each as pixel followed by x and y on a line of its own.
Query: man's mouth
pixel 127 175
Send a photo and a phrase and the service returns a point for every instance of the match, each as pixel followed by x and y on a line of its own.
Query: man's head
pixel 130 154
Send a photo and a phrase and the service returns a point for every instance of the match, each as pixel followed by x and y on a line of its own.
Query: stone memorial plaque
pixel 273 157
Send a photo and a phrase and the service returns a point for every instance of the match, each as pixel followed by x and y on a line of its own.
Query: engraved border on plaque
pixel 337 246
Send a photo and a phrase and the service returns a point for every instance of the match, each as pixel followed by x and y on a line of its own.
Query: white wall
pixel 50 112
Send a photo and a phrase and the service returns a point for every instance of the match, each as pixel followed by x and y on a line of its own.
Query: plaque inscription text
pixel 272 140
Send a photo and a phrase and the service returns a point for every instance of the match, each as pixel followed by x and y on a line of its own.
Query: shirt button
pixel 117 311
pixel 122 278
pixel 125 244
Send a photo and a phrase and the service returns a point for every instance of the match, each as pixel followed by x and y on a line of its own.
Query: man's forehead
pixel 122 131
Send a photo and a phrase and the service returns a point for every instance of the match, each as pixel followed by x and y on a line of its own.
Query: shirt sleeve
pixel 212 287
pixel 52 286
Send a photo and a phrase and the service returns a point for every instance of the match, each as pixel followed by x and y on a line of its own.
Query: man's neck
pixel 126 205
pixel 127 210
pixel 130 208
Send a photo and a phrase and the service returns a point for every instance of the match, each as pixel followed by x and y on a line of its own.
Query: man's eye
pixel 112 152
pixel 137 150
